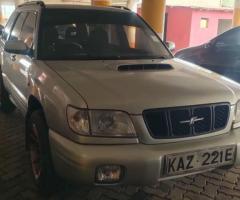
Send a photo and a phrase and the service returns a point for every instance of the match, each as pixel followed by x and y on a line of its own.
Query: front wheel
pixel 40 157
pixel 6 105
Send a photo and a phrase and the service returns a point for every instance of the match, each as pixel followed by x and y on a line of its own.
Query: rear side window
pixel 27 33
pixel 16 31
pixel 229 39
pixel 9 25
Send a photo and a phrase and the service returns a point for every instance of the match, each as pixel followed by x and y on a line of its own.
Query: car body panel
pixel 97 84
pixel 104 87
pixel 79 162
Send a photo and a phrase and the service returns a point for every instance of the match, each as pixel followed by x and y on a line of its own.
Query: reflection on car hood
pixel 104 87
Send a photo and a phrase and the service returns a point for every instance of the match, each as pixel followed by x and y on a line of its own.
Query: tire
pixel 6 105
pixel 39 153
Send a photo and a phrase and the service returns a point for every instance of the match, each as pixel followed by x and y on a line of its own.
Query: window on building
pixel 204 23
pixel 224 25
pixel 227 3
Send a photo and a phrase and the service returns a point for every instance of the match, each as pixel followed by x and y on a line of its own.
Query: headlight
pixel 236 123
pixel 104 123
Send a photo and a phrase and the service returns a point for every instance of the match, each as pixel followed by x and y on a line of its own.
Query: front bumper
pixel 142 163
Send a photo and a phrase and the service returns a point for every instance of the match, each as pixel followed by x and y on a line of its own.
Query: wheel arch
pixel 33 105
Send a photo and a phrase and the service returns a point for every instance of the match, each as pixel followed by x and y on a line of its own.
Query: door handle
pixel 13 58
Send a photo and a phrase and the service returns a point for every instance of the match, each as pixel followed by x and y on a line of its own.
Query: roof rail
pixel 41 3
pixel 121 7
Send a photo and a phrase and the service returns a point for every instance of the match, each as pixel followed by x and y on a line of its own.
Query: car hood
pixel 103 86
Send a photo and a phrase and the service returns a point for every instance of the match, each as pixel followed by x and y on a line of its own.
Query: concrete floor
pixel 16 182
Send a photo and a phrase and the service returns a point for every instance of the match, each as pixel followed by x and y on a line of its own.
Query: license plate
pixel 176 164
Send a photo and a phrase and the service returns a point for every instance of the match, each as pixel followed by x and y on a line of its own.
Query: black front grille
pixel 186 121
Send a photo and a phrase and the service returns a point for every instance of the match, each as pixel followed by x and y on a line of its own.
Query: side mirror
pixel 1 29
pixel 16 47
pixel 170 45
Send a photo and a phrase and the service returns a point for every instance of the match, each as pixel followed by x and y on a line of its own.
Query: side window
pixel 16 31
pixel 8 26
pixel 27 33
pixel 229 39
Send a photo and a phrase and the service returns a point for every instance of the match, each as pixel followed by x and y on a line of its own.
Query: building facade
pixel 192 26
pixel 202 3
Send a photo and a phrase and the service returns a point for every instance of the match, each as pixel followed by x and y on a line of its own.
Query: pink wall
pixel 198 35
pixel 179 26
pixel 183 26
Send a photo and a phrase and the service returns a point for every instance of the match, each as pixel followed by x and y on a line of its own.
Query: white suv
pixel 106 103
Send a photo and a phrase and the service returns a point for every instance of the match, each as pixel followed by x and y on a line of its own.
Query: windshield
pixel 97 34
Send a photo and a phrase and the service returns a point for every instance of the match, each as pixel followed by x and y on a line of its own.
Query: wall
pixel 199 36
pixel 179 26
pixel 183 25
pixel 200 3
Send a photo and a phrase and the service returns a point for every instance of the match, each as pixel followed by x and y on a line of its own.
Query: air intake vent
pixel 144 67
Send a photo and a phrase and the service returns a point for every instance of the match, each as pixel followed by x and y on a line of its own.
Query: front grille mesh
pixel 220 116
pixel 186 121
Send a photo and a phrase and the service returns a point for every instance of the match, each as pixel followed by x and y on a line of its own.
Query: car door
pixel 9 66
pixel 24 62
pixel 223 55
pixel 17 66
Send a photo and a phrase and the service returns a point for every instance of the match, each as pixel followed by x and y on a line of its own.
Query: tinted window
pixel 95 34
pixel 9 25
pixel 28 28
pixel 231 38
pixel 16 31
